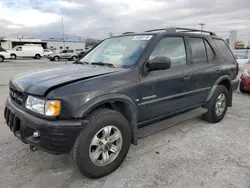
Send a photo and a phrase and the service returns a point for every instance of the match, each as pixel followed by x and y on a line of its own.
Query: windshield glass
pixel 120 51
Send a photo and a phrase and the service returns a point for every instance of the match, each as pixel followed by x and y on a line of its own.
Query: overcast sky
pixel 96 18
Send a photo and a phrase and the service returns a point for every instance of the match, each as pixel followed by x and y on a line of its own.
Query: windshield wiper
pixel 80 62
pixel 103 64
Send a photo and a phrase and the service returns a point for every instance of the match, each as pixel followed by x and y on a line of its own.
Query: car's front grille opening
pixel 16 96
pixel 12 121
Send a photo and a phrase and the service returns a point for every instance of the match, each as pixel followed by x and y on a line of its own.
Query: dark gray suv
pixel 95 107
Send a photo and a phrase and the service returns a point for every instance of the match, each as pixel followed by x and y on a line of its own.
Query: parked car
pixel 4 55
pixel 47 52
pixel 79 50
pixel 242 60
pixel 245 81
pixel 96 107
pixel 33 51
pixel 64 54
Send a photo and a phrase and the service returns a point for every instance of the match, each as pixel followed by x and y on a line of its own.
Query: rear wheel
pixel 242 88
pixel 217 106
pixel 1 58
pixel 37 56
pixel 103 144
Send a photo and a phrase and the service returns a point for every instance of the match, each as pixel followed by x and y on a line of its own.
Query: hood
pixel 41 82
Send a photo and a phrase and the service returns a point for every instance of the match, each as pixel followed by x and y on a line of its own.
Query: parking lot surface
pixel 192 154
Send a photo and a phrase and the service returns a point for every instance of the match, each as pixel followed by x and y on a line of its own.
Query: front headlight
pixel 48 108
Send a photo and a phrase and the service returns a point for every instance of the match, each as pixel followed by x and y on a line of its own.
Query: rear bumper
pixel 56 137
pixel 235 84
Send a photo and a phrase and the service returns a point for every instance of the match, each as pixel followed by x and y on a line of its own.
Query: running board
pixel 159 126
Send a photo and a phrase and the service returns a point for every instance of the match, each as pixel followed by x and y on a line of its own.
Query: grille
pixel 12 121
pixel 16 96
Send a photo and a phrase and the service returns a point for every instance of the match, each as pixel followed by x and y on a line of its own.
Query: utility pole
pixel 63 38
pixel 202 25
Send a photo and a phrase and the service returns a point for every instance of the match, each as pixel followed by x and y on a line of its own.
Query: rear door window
pixel 198 50
pixel 226 52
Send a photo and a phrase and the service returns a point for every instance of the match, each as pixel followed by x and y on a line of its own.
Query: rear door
pixel 206 68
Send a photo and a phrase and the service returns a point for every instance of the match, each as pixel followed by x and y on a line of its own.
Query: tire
pixel 1 58
pixel 56 58
pixel 211 115
pixel 37 56
pixel 74 58
pixel 13 56
pixel 242 88
pixel 82 148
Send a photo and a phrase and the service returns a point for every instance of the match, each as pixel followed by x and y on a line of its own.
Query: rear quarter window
pixel 226 52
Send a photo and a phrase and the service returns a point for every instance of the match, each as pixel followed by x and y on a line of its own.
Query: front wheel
pixel 217 106
pixel 13 56
pixel 74 58
pixel 56 58
pixel 103 144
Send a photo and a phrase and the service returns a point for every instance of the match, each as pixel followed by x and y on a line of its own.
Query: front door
pixel 164 92
pixel 19 51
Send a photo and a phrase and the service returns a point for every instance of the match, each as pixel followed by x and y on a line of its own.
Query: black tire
pixel 80 152
pixel 1 58
pixel 56 58
pixel 74 58
pixel 211 115
pixel 37 56
pixel 242 88
pixel 13 56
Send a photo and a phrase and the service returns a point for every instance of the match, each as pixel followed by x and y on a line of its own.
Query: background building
pixel 232 39
pixel 9 43
pixel 239 44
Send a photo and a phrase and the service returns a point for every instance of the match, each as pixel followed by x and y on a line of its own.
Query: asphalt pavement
pixel 192 154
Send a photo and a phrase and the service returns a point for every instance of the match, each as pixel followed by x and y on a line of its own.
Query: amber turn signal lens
pixel 52 108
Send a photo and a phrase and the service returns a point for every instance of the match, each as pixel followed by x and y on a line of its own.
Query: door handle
pixel 187 77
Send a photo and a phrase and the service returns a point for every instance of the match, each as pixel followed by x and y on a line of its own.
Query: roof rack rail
pixel 181 29
pixel 127 33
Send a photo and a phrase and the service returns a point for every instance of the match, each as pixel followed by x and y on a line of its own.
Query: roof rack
pixel 181 29
pixel 127 33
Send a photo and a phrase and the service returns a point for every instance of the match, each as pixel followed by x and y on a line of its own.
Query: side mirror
pixel 159 63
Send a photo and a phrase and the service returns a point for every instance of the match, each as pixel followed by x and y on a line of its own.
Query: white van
pixel 33 51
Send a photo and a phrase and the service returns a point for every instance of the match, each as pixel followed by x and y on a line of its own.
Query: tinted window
pixel 46 50
pixel 226 52
pixel 70 51
pixel 19 49
pixel 210 52
pixel 198 50
pixel 172 47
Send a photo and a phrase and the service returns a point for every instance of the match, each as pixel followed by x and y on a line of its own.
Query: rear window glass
pixel 226 52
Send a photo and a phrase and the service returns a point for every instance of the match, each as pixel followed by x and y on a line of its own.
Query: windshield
pixel 120 51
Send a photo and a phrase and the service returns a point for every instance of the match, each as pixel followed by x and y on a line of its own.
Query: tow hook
pixel 33 148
